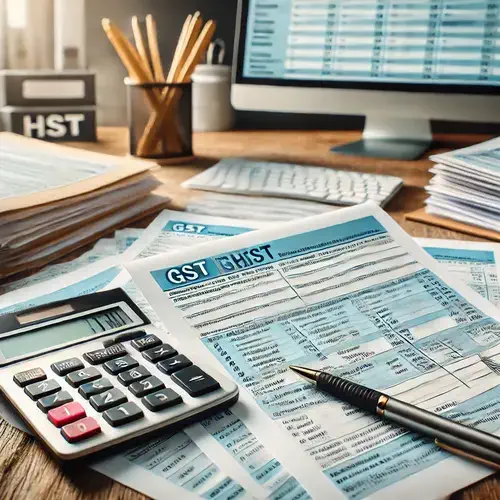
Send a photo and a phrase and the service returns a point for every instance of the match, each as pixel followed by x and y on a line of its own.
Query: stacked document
pixel 54 199
pixel 466 185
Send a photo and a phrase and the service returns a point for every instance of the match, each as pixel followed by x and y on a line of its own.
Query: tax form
pixel 350 293
pixel 476 264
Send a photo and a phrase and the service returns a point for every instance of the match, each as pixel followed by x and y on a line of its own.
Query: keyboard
pixel 327 185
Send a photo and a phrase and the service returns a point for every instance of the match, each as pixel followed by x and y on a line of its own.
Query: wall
pixel 170 15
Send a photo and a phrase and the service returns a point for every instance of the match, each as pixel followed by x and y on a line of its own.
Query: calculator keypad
pixel 66 414
pixel 108 399
pixel 119 365
pixel 143 389
pixel 123 414
pixel 22 379
pixel 62 368
pixel 40 389
pixel 83 429
pixel 58 399
pixel 93 388
pixel 76 379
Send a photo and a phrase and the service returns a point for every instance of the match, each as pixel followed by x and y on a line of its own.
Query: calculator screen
pixel 62 333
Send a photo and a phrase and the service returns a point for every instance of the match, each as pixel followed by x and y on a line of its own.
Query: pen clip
pixel 464 454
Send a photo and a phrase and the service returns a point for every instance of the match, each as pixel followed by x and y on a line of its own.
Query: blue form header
pixel 191 228
pixel 266 253
pixel 483 256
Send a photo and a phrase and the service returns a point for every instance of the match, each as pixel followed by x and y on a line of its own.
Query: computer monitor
pixel 399 62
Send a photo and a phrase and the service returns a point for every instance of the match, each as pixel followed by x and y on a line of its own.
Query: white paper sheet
pixel 338 292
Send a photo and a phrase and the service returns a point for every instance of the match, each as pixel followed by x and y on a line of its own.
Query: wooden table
pixel 26 471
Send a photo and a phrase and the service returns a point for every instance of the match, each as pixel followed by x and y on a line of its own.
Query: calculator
pixel 92 372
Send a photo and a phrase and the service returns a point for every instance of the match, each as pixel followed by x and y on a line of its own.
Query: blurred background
pixel 33 33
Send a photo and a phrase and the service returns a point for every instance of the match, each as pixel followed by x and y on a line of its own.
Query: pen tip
pixel 307 373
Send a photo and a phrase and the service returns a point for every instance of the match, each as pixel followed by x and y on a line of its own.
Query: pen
pixel 449 435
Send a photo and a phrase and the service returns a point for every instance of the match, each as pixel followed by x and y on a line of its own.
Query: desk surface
pixel 26 471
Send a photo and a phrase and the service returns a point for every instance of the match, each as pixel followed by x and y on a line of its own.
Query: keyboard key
pixel 146 386
pixel 61 368
pixel 22 379
pixel 124 337
pixel 83 429
pixel 119 365
pixel 123 414
pixel 54 401
pixel 146 342
pixel 106 400
pixel 66 414
pixel 195 381
pixel 159 353
pixel 166 398
pixel 134 375
pixel 40 389
pixel 103 355
pixel 76 379
pixel 174 364
pixel 93 388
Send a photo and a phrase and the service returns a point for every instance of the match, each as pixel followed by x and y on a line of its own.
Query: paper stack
pixel 54 199
pixel 466 185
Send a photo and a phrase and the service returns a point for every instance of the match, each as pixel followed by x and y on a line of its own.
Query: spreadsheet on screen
pixel 420 41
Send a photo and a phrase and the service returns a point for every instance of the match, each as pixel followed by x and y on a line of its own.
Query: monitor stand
pixel 393 138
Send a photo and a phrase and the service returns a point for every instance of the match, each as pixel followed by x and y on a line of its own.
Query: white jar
pixel 212 109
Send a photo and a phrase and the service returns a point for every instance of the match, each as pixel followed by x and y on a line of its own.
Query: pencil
pixel 154 49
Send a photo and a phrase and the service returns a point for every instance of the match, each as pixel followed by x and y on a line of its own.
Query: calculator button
pixel 61 368
pixel 146 342
pixel 124 337
pixel 195 381
pixel 55 400
pixel 123 414
pixel 93 388
pixel 40 389
pixel 119 365
pixel 76 379
pixel 22 379
pixel 159 353
pixel 174 364
pixel 134 375
pixel 66 414
pixel 83 429
pixel 160 400
pixel 114 397
pixel 146 386
pixel 103 355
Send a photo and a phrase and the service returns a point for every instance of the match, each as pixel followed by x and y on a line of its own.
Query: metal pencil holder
pixel 173 139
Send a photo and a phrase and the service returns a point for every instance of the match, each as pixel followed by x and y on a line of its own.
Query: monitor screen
pixel 371 42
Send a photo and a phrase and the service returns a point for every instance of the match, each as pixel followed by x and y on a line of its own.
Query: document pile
pixel 466 185
pixel 54 199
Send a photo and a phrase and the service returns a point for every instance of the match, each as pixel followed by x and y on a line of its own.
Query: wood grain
pixel 27 472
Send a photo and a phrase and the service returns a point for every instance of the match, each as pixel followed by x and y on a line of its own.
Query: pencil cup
pixel 165 108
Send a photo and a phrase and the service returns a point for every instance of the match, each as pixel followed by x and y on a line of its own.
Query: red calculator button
pixel 83 429
pixel 66 414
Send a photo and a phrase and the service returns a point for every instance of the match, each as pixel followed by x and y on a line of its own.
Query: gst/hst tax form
pixel 350 293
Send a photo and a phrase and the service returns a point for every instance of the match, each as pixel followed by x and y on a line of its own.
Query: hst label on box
pixel 52 125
